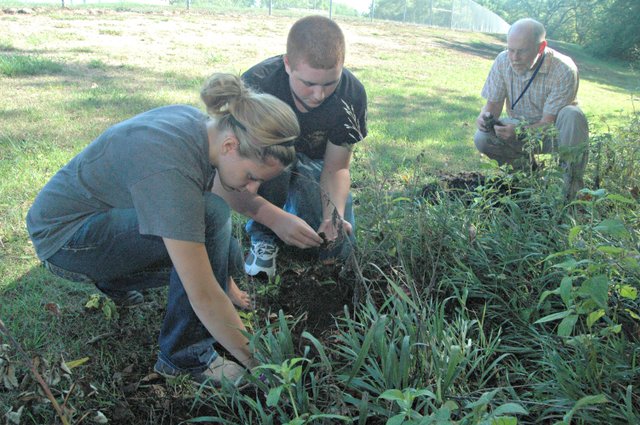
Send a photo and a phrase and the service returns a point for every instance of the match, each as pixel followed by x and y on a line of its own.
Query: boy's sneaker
pixel 218 370
pixel 122 298
pixel 261 258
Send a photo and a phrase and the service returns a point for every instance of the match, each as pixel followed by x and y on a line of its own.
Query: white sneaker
pixel 218 370
pixel 261 258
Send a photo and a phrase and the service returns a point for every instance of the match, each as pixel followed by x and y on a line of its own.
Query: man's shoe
pixel 219 370
pixel 261 258
pixel 122 298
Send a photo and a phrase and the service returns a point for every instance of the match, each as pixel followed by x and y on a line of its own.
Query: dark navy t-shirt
pixel 341 119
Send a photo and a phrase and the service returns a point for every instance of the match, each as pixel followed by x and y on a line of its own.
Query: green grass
pixel 20 65
pixel 66 75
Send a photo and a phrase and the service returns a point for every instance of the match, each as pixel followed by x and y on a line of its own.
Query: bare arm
pixel 335 183
pixel 208 300
pixel 291 229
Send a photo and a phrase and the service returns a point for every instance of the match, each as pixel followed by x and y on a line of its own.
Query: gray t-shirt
pixel 156 162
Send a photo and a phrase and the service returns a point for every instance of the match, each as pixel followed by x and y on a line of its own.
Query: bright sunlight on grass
pixel 476 295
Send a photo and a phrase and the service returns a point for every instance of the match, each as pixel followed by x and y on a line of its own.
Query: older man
pixel 539 86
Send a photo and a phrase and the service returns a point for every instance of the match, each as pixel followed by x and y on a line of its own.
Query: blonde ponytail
pixel 264 125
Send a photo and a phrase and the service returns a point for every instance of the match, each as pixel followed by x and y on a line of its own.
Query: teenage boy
pixel 310 205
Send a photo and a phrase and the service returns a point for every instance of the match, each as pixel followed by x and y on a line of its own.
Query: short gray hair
pixel 535 28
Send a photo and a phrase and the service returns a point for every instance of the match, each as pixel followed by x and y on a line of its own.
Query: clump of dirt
pixel 463 182
pixel 311 290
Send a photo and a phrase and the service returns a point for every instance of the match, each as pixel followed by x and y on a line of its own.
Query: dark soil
pixel 460 183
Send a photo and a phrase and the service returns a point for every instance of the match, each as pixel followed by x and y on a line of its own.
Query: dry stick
pixel 43 384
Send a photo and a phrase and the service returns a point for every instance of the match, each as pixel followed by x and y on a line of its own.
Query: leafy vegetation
pixel 604 27
pixel 473 298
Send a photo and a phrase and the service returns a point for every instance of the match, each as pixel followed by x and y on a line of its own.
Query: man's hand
pixel 481 120
pixel 506 132
pixel 293 230
pixel 332 230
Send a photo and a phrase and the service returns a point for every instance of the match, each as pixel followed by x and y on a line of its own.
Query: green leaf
pixel 597 288
pixel 484 399
pixel 590 400
pixel 583 402
pixel 565 328
pixel 628 292
pixel 510 408
pixel 611 250
pixel 561 253
pixel 505 420
pixel 610 330
pixel 443 414
pixel 612 226
pixel 565 291
pixel 392 395
pixel 554 316
pixel 423 392
pixel 75 363
pixel 274 396
pixel 545 294
pixel 366 345
pixel 573 233
pixel 619 198
pixel 632 314
pixel 107 311
pixel 401 199
pixel 94 301
pixel 570 264
pixel 396 420
pixel 594 317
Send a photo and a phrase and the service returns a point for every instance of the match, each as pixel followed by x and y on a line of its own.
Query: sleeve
pixel 563 91
pixel 169 205
pixel 495 86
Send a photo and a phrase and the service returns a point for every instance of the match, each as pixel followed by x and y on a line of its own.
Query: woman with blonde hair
pixel 138 197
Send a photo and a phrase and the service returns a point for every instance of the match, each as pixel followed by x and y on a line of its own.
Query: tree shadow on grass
pixel 441 125
pixel 609 72
pixel 486 50
pixel 618 75
pixel 615 74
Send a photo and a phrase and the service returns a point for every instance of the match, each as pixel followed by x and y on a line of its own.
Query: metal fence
pixel 464 15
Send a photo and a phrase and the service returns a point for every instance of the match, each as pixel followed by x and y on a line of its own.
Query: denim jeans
pixel 298 192
pixel 109 251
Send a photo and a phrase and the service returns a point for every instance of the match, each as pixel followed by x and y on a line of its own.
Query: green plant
pixel 106 305
pixel 615 156
pixel 601 270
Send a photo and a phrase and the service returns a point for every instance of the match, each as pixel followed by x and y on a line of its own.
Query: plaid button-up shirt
pixel 554 87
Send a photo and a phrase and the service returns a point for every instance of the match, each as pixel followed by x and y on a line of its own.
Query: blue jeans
pixel 297 191
pixel 109 251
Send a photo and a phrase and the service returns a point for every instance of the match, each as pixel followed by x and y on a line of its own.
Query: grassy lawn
pixel 66 75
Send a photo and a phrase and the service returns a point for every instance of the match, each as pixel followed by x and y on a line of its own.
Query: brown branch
pixel 34 371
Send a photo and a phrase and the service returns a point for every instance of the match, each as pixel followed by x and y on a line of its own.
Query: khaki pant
pixel 571 142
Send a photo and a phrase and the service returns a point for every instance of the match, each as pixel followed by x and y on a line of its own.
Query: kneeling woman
pixel 139 196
